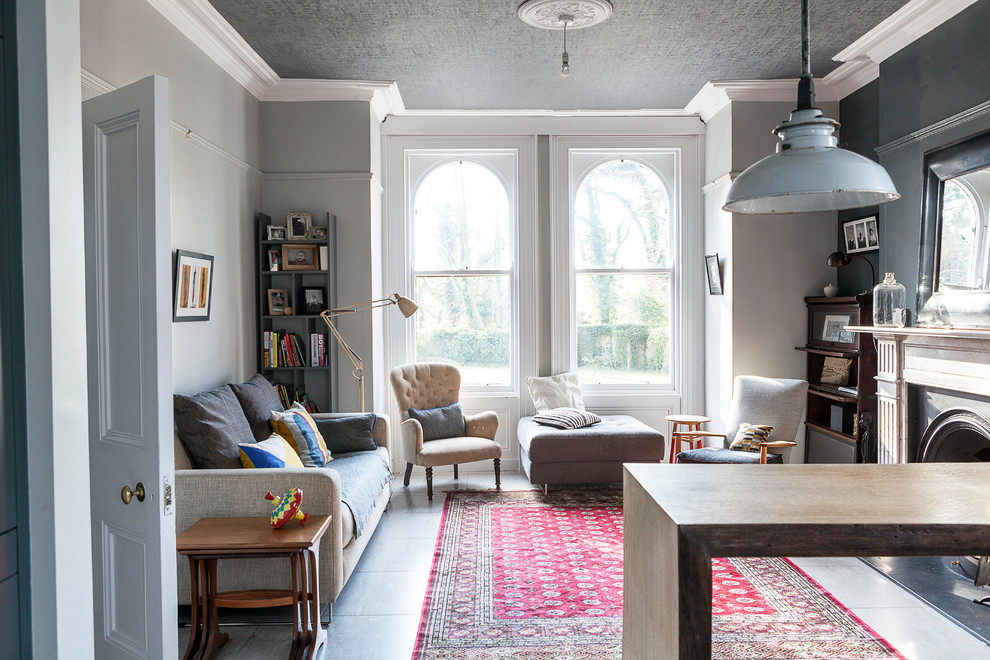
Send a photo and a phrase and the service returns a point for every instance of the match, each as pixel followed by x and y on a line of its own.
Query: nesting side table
pixel 212 539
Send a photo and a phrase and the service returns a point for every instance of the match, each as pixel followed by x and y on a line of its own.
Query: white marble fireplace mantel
pixel 948 358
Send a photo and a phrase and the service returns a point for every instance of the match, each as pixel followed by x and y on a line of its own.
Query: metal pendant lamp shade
pixel 809 172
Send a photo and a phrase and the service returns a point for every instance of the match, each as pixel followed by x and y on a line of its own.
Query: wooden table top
pixel 219 535
pixel 914 494
pixel 688 419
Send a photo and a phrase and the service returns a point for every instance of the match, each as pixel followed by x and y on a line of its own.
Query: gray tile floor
pixel 377 614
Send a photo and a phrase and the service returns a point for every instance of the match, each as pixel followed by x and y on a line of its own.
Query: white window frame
pixel 686 261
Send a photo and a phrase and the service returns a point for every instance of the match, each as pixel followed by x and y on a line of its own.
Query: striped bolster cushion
pixel 566 418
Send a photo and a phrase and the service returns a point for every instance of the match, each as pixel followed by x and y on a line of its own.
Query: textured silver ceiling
pixel 448 54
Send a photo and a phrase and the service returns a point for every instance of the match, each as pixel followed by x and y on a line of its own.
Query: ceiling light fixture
pixel 809 172
pixel 561 14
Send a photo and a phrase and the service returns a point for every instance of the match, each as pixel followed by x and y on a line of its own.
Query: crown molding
pixel 383 95
pixel 546 113
pixel 915 19
pixel 211 33
pixel 849 77
pixel 94 83
pixel 717 94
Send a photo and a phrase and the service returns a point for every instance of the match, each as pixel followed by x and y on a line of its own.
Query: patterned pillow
pixel 566 418
pixel 274 452
pixel 749 436
pixel 299 430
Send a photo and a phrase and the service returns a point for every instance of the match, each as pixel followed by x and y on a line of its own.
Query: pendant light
pixel 809 173
pixel 563 14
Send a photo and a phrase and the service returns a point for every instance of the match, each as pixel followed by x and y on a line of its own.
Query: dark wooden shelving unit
pixel 832 418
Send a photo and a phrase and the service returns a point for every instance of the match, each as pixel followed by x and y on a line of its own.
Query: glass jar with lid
pixel 889 300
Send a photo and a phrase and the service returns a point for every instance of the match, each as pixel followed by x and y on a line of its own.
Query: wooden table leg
pixel 297 642
pixel 694 617
pixel 211 623
pixel 314 596
pixel 195 634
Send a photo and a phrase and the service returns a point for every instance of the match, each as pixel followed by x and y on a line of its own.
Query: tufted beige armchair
pixel 434 385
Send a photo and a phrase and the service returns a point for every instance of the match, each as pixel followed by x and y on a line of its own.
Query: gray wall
pixel 214 198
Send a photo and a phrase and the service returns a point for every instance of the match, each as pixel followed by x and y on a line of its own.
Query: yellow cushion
pixel 274 452
pixel 298 429
pixel 749 436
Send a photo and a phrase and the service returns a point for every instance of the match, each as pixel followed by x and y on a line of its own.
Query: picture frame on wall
pixel 276 302
pixel 299 256
pixel 192 289
pixel 861 235
pixel 714 274
pixel 298 224
pixel 314 299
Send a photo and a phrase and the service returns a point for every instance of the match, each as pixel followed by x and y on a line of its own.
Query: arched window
pixel 622 265
pixel 462 241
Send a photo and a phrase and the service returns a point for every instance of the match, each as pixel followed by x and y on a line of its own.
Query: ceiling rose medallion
pixel 563 14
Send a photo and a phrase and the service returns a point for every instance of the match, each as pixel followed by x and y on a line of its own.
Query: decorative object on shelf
pixel 834 325
pixel 314 299
pixel 299 256
pixel 838 259
pixel 276 302
pixel 861 235
pixel 563 14
pixel 274 260
pixel 808 173
pixel 407 306
pixel 835 370
pixel 317 232
pixel 287 507
pixel 298 224
pixel 276 233
pixel 831 291
pixel 193 286
pixel 889 300
pixel 714 275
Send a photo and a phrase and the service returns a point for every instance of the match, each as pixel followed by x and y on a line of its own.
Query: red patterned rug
pixel 521 575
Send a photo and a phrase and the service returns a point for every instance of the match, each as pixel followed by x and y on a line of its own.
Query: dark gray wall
pixel 942 74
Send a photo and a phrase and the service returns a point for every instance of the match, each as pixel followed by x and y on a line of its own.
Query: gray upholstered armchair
pixel 776 402
pixel 427 385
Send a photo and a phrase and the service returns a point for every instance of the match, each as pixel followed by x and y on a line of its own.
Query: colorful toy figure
pixel 287 507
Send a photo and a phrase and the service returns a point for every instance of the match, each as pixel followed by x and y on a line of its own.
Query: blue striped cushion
pixel 274 452
pixel 299 430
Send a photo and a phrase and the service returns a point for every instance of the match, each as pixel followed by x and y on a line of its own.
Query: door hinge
pixel 167 495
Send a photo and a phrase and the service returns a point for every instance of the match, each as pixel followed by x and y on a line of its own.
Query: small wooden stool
pixel 685 424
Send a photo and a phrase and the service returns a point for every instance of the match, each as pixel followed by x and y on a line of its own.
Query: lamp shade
pixel 406 305
pixel 809 173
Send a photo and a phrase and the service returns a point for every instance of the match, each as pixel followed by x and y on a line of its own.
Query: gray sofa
pixel 212 493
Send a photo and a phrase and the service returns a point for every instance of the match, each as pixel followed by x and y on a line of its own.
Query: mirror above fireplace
pixel 954 261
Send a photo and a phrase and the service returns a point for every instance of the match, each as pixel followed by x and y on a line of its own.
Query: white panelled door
pixel 128 325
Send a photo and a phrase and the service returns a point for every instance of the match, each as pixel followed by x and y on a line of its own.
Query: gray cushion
pixel 347 434
pixel 721 455
pixel 437 423
pixel 211 425
pixel 258 399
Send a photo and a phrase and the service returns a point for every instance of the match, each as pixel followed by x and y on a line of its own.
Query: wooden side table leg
pixel 694 578
pixel 314 597
pixel 195 630
pixel 297 643
pixel 214 638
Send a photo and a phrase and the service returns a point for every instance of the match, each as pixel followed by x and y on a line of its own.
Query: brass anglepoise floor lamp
pixel 406 306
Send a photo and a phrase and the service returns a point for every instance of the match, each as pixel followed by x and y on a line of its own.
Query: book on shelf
pixel 317 349
pixel 324 265
pixel 849 389
pixel 835 371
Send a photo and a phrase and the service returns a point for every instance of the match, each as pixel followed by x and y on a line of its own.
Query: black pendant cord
pixel 806 87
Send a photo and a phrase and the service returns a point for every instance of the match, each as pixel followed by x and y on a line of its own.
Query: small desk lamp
pixel 406 306
pixel 837 259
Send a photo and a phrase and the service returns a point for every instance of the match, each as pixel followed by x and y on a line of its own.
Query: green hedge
pixel 622 346
pixel 482 348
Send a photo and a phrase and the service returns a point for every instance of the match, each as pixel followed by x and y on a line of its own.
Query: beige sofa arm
pixel 380 432
pixel 411 437
pixel 241 492
pixel 481 425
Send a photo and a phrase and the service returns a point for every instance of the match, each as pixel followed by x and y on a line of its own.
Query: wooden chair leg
pixel 455 471
pixel 429 483
pixel 405 482
pixel 498 475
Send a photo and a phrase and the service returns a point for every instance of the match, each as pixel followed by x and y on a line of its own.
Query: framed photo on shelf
pixel 861 235
pixel 276 302
pixel 274 260
pixel 298 224
pixel 317 232
pixel 314 299
pixel 276 233
pixel 714 275
pixel 300 257
pixel 834 327
pixel 192 286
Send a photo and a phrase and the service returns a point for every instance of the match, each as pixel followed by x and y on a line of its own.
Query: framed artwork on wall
pixel 714 275
pixel 860 235
pixel 192 286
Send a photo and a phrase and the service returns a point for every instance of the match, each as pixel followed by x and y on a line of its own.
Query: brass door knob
pixel 126 493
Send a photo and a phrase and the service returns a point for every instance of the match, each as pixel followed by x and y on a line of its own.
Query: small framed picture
pixel 834 327
pixel 314 299
pixel 276 302
pixel 274 260
pixel 714 274
pixel 193 286
pixel 861 235
pixel 317 232
pixel 298 224
pixel 276 233
pixel 300 257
